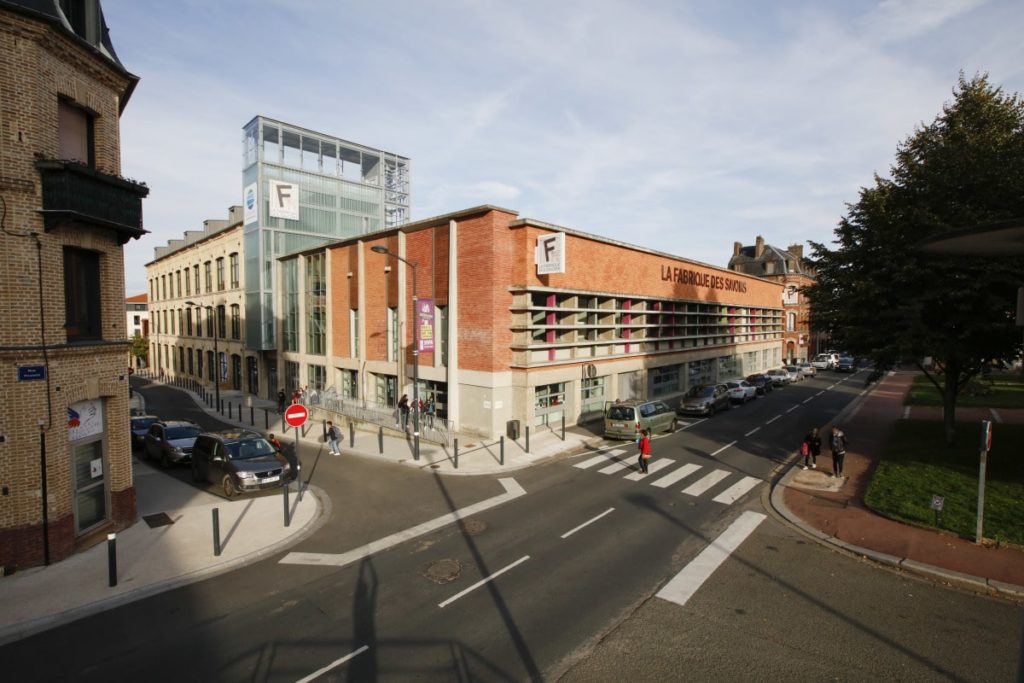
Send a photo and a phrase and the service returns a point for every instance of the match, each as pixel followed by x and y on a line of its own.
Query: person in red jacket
pixel 645 450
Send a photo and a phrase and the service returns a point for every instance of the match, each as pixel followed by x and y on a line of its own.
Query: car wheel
pixel 228 484
pixel 195 473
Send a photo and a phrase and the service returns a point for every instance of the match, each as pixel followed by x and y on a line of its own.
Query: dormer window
pixel 83 17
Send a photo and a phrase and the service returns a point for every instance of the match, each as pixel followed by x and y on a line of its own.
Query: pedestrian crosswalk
pixel 666 472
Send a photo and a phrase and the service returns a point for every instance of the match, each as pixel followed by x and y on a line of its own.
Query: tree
pixel 878 295
pixel 140 350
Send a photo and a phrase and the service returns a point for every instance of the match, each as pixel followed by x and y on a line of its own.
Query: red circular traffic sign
pixel 296 414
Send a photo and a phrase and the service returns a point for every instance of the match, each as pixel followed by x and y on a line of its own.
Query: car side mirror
pixel 216 458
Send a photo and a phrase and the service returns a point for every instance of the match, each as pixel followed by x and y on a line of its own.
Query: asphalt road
pixel 559 582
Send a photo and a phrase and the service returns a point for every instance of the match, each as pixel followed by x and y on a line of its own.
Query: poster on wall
pixel 425 323
pixel 550 254
pixel 283 200
pixel 249 200
pixel 85 419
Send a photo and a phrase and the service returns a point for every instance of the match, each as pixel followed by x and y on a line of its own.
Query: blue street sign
pixel 31 372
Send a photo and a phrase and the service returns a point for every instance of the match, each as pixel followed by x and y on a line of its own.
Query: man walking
pixel 333 436
pixel 837 442
pixel 280 400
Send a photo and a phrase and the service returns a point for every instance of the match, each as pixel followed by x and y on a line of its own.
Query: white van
pixel 825 361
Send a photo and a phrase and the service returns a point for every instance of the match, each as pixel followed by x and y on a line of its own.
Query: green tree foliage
pixel 878 295
pixel 140 348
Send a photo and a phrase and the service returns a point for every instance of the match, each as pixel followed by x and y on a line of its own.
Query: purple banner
pixel 425 323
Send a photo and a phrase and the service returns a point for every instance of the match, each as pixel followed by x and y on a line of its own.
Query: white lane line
pixel 692 424
pixel 336 662
pixel 617 466
pixel 752 431
pixel 793 408
pixel 512 491
pixel 736 491
pixel 809 398
pixel 722 449
pixel 653 466
pixel 600 458
pixel 681 473
pixel 773 419
pixel 707 482
pixel 995 415
pixel 684 584
pixel 819 393
pixel 570 532
pixel 483 581
pixel 906 412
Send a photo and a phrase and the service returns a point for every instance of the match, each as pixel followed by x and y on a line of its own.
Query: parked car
pixel 825 361
pixel 625 419
pixel 239 460
pixel 794 373
pixel 705 399
pixel 169 442
pixel 140 426
pixel 740 390
pixel 762 383
pixel 808 370
pixel 846 364
pixel 780 377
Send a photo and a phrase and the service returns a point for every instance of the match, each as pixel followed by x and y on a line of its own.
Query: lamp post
pixel 216 355
pixel 415 354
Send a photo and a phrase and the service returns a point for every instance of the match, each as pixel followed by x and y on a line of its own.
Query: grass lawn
pixel 1007 391
pixel 919 464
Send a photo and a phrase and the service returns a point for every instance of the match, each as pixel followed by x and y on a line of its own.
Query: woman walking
pixel 644 446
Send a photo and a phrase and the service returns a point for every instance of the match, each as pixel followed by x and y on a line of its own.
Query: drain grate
pixel 158 519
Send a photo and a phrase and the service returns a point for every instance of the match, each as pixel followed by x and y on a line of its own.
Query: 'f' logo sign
pixel 284 200
pixel 550 254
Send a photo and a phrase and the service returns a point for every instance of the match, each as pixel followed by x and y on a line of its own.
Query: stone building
pixel 788 267
pixel 65 461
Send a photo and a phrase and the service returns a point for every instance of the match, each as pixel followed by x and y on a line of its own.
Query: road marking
pixel 707 482
pixel 483 581
pixel 722 449
pixel 773 419
pixel 569 533
pixel 616 466
pixel 809 398
pixel 604 456
pixel 736 491
pixel 752 431
pixel 652 467
pixel 692 424
pixel 995 415
pixel 792 409
pixel 336 662
pixel 681 473
pixel 684 584
pixel 819 393
pixel 512 491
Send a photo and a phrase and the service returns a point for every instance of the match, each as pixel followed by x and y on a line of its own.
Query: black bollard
pixel 266 419
pixel 112 558
pixel 527 438
pixel 380 439
pixel 502 440
pixel 287 516
pixel 563 427
pixel 351 435
pixel 216 532
pixel 456 454
pixel 252 416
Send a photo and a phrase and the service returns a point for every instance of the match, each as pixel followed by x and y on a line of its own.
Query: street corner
pixel 814 480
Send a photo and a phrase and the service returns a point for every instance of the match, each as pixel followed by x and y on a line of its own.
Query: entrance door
pixel 89 483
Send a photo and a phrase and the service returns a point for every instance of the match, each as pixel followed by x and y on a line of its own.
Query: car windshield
pixel 175 433
pixel 621 413
pixel 733 385
pixel 142 422
pixel 250 448
pixel 702 392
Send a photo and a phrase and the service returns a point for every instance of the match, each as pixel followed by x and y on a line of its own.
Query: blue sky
pixel 682 126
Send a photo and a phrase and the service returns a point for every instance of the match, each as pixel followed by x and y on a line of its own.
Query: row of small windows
pixel 172 283
pixel 179 321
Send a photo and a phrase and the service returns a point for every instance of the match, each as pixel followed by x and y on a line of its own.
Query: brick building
pixel 788 267
pixel 523 321
pixel 65 461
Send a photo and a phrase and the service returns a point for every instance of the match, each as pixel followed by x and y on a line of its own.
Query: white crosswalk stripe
pixel 736 491
pixel 616 466
pixel 652 467
pixel 599 458
pixel 706 482
pixel 683 472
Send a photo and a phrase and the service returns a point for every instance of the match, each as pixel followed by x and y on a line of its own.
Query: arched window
pixel 790 322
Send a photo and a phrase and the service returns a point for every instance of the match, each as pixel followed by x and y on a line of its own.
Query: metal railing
pixel 432 427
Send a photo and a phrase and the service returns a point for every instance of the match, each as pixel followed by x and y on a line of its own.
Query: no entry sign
pixel 296 414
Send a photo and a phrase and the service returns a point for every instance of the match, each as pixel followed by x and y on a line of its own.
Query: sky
pixel 678 126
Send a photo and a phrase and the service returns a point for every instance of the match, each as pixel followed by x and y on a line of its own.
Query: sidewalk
pixel 833 510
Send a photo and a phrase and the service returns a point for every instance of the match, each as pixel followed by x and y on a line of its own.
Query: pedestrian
pixel 280 400
pixel 333 436
pixel 275 442
pixel 403 411
pixel 813 441
pixel 645 450
pixel 429 410
pixel 838 444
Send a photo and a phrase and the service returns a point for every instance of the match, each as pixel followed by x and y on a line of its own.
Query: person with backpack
pixel 644 446
pixel 333 436
pixel 837 442
pixel 810 449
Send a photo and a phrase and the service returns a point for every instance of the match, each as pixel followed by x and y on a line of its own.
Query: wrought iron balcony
pixel 74 192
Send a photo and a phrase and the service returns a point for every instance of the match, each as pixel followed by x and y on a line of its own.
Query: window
pixel 220 274
pixel 316 305
pixel 199 323
pixel 188 283
pixel 290 280
pixel 195 272
pixel 221 322
pixel 188 320
pixel 82 294
pixel 236 322
pixel 177 277
pixel 592 396
pixel 208 273
pixel 75 132
pixel 349 384
pixel 209 325
pixel 136 319
pixel 790 322
pixel 392 334
pixel 234 270
pixel 353 335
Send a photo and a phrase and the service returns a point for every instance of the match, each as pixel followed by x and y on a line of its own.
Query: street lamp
pixel 216 354
pixel 415 354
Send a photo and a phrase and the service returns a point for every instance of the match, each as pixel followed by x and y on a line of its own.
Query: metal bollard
pixel 266 419
pixel 231 414
pixel 112 558
pixel 216 532
pixel 287 516
pixel 380 439
pixel 563 427
pixel 502 441
pixel 456 454
pixel 527 438
pixel 252 415
pixel 351 435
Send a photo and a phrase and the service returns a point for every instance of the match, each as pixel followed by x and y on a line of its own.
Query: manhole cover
pixel 474 527
pixel 442 571
pixel 158 519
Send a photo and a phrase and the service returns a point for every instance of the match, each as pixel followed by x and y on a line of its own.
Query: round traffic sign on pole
pixel 296 414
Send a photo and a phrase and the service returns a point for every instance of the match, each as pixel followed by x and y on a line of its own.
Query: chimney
pixel 736 247
pixel 797 250
pixel 759 247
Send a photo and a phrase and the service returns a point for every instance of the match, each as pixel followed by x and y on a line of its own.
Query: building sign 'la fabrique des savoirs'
pixel 687 276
